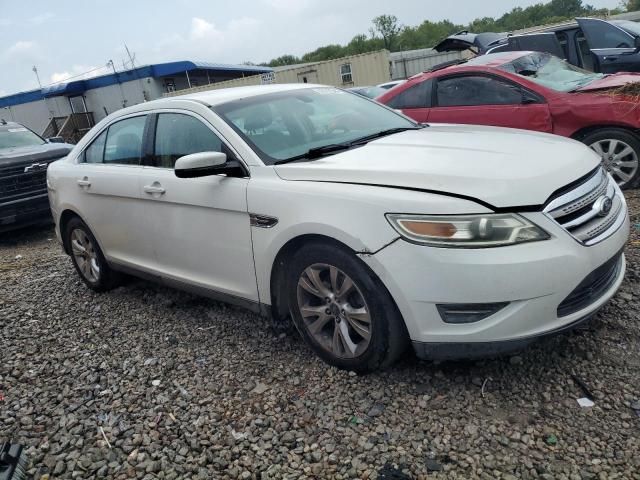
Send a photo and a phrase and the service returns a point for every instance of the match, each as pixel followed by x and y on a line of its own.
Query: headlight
pixel 466 231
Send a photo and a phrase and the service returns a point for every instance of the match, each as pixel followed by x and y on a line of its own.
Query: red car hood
pixel 611 81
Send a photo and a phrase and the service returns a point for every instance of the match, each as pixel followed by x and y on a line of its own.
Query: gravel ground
pixel 147 382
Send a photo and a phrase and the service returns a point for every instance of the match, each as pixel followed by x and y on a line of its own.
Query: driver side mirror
pixel 200 164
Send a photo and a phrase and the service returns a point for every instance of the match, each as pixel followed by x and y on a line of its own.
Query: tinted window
pixel 178 135
pixel 417 96
pixel 476 90
pixel 95 151
pixel 604 35
pixel 124 141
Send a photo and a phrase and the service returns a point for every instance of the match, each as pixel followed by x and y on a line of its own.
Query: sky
pixel 69 38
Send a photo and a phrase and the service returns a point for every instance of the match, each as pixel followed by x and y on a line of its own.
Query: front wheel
pixel 87 257
pixel 342 311
pixel 620 151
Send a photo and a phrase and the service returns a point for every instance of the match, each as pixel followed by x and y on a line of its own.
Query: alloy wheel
pixel 334 310
pixel 85 255
pixel 618 158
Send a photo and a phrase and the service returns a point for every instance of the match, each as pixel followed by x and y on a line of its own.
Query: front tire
pixel 620 152
pixel 87 257
pixel 343 312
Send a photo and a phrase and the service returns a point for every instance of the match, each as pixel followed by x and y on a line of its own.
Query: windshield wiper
pixel 318 152
pixel 384 133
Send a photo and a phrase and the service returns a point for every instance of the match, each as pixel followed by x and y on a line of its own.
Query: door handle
pixel 84 182
pixel 155 187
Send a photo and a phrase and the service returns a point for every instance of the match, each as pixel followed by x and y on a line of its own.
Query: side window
pixel 124 141
pixel 417 96
pixel 601 34
pixel 94 153
pixel 178 135
pixel 586 57
pixel 563 40
pixel 476 90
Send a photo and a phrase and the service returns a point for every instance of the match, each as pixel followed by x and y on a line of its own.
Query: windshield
pixel 283 125
pixel 15 137
pixel 551 72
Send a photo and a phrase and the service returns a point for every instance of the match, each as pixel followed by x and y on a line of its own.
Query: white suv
pixel 371 231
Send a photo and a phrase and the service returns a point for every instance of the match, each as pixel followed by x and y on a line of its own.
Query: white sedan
pixel 371 231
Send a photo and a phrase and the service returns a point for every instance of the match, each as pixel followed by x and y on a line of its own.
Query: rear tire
pixel 342 310
pixel 87 257
pixel 620 152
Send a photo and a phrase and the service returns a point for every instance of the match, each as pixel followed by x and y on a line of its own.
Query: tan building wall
pixel 365 69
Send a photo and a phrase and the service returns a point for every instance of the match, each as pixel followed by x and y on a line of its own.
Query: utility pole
pixel 131 57
pixel 124 100
pixel 35 70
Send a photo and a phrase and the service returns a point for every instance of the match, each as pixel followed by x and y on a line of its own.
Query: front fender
pixel 353 215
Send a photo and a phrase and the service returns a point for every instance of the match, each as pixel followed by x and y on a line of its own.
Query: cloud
pixel 77 72
pixel 5 22
pixel 205 40
pixel 22 50
pixel 290 7
pixel 41 18
pixel 200 28
pixel 21 47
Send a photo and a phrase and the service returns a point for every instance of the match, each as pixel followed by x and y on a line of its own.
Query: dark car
pixel 24 158
pixel 533 91
pixel 604 46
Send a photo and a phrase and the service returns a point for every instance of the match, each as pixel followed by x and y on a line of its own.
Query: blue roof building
pixel 94 98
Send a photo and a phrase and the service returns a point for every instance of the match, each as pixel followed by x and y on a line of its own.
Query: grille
pixel 16 184
pixel 591 211
pixel 592 287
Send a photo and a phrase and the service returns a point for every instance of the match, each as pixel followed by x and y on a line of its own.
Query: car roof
pixel 212 98
pixel 224 95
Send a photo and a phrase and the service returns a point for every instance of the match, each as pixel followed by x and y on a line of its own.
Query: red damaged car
pixel 533 91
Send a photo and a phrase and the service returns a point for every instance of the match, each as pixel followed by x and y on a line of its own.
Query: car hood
pixel 500 167
pixel 34 153
pixel 611 81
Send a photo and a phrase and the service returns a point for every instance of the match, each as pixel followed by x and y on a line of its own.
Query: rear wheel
pixel 620 153
pixel 87 257
pixel 343 312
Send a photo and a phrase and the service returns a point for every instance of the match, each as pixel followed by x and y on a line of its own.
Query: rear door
pixel 107 190
pixel 481 99
pixel 612 47
pixel 199 227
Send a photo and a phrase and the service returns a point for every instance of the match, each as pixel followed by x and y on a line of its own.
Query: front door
pixel 486 100
pixel 199 227
pixel 108 189
pixel 613 48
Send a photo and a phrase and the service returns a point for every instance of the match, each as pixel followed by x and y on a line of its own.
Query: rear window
pixel 16 137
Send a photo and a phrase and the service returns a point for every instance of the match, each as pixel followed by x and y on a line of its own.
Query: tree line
pixel 387 32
